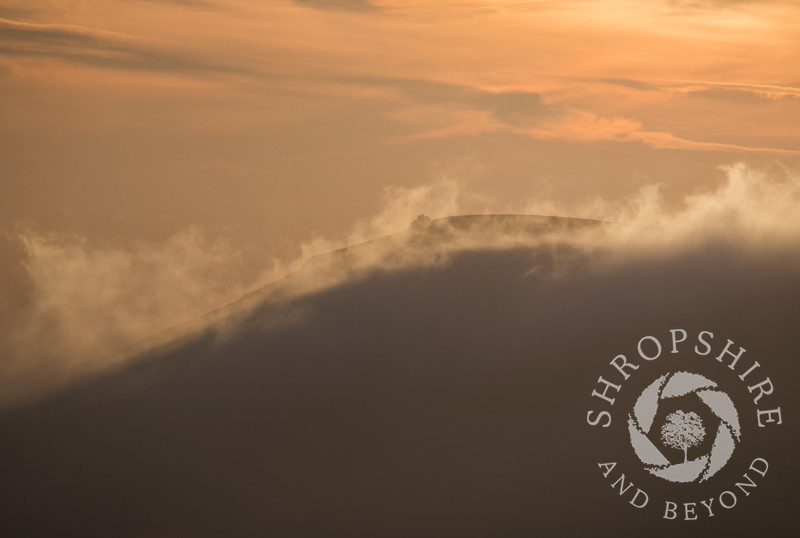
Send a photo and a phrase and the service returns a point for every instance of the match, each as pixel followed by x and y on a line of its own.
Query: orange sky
pixel 266 124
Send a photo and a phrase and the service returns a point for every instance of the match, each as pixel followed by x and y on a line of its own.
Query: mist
pixel 429 381
pixel 92 306
pixel 357 267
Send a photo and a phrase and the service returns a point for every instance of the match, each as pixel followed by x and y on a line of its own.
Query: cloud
pixel 16 12
pixel 339 5
pixel 203 4
pixel 90 302
pixel 751 211
pixel 513 107
pixel 715 4
pixel 714 89
pixel 743 94
pixel 102 49
pixel 664 140
pixel 432 109
pixel 630 83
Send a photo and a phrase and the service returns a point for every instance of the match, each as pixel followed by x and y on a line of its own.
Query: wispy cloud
pixel 15 12
pixel 339 5
pixel 513 107
pixel 204 4
pixel 718 4
pixel 441 110
pixel 90 301
pixel 102 49
pixel 722 88
pixel 584 126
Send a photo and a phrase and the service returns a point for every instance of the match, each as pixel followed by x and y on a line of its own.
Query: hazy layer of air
pixel 91 303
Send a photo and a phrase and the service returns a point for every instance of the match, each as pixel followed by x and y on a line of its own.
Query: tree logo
pixel 682 432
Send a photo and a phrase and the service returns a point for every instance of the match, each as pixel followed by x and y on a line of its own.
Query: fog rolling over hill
pixel 432 383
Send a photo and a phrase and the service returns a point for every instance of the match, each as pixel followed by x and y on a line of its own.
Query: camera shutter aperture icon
pixel 683 430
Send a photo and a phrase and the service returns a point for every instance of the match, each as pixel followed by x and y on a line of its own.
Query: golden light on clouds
pixel 658 55
pixel 352 267
pixel 269 128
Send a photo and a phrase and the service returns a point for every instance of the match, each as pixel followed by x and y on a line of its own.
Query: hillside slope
pixel 404 395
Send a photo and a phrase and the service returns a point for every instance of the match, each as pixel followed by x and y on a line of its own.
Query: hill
pixel 433 383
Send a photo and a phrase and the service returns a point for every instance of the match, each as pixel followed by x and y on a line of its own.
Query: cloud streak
pixel 764 91
pixel 553 98
pixel 441 110
pixel 103 49
pixel 364 6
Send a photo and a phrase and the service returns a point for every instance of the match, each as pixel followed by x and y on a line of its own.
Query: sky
pixel 162 157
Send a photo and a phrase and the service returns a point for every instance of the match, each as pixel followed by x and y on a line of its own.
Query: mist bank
pixel 94 307
pixel 432 382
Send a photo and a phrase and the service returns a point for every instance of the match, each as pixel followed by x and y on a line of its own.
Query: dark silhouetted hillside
pixel 428 391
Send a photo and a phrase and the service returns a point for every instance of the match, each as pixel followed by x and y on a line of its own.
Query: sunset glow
pixel 227 141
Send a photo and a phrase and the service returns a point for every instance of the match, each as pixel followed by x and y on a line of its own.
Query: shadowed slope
pixel 434 399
